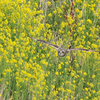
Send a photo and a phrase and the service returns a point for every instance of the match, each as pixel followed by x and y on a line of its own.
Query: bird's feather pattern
pixel 83 49
pixel 61 51
pixel 55 46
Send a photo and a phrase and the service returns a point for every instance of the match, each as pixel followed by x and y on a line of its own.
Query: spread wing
pixel 83 50
pixel 55 46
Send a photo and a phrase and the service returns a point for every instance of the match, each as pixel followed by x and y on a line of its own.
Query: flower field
pixel 31 70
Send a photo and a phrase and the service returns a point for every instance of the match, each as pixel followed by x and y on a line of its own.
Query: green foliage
pixel 30 70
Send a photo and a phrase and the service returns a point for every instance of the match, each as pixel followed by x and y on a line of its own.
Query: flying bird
pixel 61 51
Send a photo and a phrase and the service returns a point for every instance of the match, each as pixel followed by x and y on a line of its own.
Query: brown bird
pixel 61 51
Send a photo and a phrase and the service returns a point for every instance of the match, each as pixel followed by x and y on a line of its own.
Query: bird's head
pixel 61 52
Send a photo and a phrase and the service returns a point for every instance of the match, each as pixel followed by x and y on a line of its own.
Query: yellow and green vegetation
pixel 30 70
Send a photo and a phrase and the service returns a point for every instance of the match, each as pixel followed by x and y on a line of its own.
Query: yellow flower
pixel 72 74
pixel 50 15
pixel 93 91
pixel 22 55
pixel 34 58
pixel 89 94
pixel 66 63
pixel 86 97
pixel 80 15
pixel 77 10
pixel 59 10
pixel 73 81
pixel 56 73
pixel 86 89
pixel 93 76
pixel 7 83
pixel 48 3
pixel 59 66
pixel 55 23
pixel 91 85
pixel 53 86
pixel 64 2
pixel 68 57
pixel 42 55
pixel 48 54
pixel 4 73
pixel 47 25
pixel 82 79
pixel 94 46
pixel 36 5
pixel 88 20
pixel 54 11
pixel 85 73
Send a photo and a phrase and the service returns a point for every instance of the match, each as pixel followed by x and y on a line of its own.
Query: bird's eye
pixel 58 51
pixel 62 51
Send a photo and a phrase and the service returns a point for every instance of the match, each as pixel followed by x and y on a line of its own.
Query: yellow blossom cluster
pixel 31 70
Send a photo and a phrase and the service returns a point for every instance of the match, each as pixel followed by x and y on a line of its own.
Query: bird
pixel 61 51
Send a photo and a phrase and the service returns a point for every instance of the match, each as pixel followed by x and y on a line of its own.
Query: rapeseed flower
pixel 36 68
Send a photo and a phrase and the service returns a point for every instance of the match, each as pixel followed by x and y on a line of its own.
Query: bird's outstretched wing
pixel 55 46
pixel 83 50
pixel 61 51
